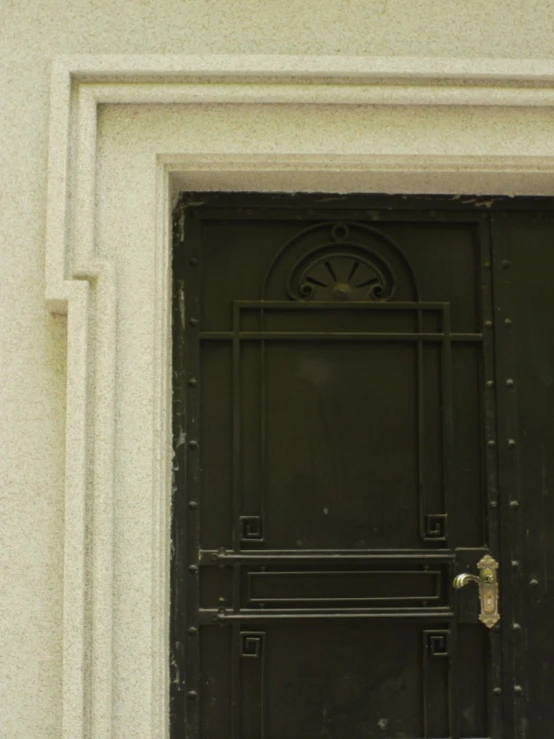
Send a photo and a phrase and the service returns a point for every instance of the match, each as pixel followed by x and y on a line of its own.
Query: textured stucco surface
pixel 32 343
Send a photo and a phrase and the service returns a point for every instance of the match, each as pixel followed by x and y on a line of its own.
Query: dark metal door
pixel 337 369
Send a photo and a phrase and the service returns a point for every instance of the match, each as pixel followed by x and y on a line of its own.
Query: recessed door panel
pixel 336 414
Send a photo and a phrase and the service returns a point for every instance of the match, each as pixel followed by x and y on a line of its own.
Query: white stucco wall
pixel 33 342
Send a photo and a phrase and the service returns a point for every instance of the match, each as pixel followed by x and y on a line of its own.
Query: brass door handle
pixel 487 581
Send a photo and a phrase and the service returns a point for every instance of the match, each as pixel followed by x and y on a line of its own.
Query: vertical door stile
pixel 421 492
pixel 236 532
pixel 447 422
pixel 490 459
pixel 264 523
pixel 193 451
pixel 509 475
pixel 179 650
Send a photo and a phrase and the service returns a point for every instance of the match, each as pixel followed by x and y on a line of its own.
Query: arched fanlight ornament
pixel 349 272
pixel 344 261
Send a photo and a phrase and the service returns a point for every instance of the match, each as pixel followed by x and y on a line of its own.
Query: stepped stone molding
pixel 83 280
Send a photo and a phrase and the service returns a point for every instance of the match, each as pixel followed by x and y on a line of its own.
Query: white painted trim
pixel 256 80
pixel 74 595
pixel 412 69
pixel 83 283
pixel 161 462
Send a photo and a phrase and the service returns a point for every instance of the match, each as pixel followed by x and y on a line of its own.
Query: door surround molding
pixel 116 535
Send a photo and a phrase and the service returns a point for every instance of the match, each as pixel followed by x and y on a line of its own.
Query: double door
pixel 363 392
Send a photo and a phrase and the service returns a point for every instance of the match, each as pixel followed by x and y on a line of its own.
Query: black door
pixel 364 394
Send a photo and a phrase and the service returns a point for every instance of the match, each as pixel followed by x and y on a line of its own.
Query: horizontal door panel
pixel 332 587
pixel 340 681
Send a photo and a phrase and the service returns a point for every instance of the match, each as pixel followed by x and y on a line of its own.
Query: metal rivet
pixel 193 261
pixel 424 603
pixel 488 324
pixel 192 630
pixel 193 569
pixel 506 263
pixel 490 383
pixel 514 504
pixel 516 627
pixel 534 582
pixel 507 321
pixel 193 321
pixel 193 444
pixel 510 382
pixel 515 563
pixel 497 691
pixel 496 627
pixel 511 442
pixel 518 690
pixel 192 694
pixel 491 442
pixel 493 504
pixel 193 382
pixel 193 505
